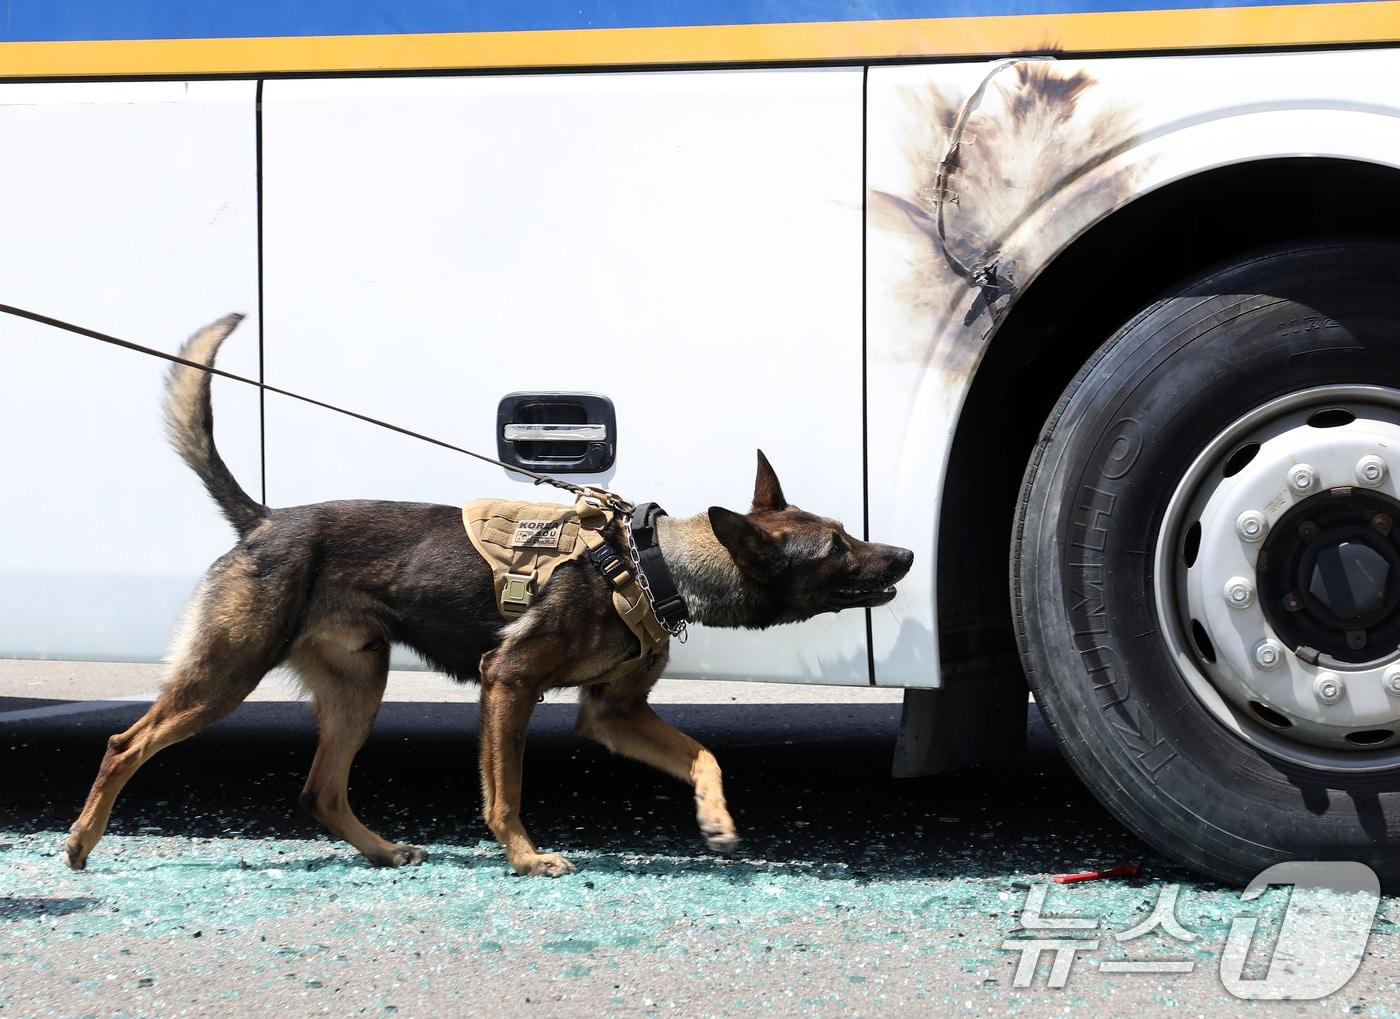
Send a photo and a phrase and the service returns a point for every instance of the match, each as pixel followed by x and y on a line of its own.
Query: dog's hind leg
pixel 346 671
pixel 508 700
pixel 617 715
pixel 216 663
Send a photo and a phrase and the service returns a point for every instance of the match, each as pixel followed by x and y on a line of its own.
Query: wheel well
pixel 1071 308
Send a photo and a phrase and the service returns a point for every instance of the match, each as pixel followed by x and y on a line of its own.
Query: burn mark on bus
pixel 1036 129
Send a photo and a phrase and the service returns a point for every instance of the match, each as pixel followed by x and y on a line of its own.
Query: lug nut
pixel 1302 479
pixel 1392 683
pixel 1328 688
pixel 1370 470
pixel 1239 592
pixel 1251 525
pixel 1268 654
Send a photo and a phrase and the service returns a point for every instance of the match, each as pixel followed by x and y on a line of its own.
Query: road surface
pixel 853 894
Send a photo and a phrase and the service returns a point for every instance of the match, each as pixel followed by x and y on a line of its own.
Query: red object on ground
pixel 1122 870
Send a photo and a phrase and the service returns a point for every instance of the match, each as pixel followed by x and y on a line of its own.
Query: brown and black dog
pixel 327 589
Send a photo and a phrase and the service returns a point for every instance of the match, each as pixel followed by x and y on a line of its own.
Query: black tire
pixel 1092 502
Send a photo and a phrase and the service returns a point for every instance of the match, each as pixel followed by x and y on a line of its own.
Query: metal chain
pixel 624 509
pixel 676 629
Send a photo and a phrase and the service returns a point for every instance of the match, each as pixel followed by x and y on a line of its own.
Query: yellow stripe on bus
pixel 1291 25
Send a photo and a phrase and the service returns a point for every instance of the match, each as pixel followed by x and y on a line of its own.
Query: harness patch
pixel 537 534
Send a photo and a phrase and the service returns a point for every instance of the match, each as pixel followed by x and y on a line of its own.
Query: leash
pixel 601 495
pixel 669 610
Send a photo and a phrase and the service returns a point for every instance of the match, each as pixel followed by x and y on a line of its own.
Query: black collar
pixel 665 599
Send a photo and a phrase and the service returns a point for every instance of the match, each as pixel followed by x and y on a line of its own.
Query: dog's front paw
pixel 74 854
pixel 544 865
pixel 400 856
pixel 722 841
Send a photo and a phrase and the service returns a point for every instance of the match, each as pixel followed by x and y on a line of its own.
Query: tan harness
pixel 525 542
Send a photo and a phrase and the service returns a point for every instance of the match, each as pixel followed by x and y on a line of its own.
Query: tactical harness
pixel 525 542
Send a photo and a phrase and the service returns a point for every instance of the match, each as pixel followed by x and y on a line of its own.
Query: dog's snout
pixel 898 559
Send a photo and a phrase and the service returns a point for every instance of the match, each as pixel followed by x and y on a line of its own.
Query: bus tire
pixel 1168 718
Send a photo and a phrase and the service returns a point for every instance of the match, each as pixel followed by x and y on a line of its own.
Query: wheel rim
pixel 1278 578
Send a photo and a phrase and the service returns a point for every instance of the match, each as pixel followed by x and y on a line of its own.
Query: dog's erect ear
pixel 767 493
pixel 750 547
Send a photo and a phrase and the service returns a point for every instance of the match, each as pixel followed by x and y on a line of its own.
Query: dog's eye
pixel 838 546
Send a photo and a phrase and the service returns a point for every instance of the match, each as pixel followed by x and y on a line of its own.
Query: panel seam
pixel 864 370
pixel 262 371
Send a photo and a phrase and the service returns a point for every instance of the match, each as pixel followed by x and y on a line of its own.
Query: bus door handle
pixel 557 433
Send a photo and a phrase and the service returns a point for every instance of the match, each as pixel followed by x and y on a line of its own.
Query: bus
pixel 1093 304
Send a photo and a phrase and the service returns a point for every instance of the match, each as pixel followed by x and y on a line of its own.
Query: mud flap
pixel 974 718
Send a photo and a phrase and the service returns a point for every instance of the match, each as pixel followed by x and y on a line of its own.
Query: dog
pixel 328 588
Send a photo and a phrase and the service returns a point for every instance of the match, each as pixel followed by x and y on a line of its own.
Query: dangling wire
pixel 985 273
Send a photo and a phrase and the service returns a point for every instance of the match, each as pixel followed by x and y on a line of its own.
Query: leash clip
pixel 603 499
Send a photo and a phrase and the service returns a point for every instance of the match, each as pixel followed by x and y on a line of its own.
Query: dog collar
pixel 666 601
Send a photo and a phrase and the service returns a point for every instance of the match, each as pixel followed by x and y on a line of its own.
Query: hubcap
pixel 1278 577
pixel 1329 575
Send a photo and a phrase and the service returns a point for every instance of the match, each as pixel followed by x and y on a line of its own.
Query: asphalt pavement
pixel 853 893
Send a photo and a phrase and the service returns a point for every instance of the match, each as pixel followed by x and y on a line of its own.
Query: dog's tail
pixel 189 421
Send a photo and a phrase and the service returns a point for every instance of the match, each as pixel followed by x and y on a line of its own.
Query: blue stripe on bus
pixel 72 20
